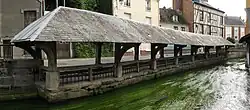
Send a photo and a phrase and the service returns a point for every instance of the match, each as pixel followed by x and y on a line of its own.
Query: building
pixel 16 15
pixel 170 18
pixel 247 30
pixel 146 11
pixel 201 17
pixel 234 27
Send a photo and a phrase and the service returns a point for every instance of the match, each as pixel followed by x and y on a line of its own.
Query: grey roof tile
pixel 75 25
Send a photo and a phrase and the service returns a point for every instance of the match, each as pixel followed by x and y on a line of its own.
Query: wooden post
pixel 226 51
pixel 206 52
pixel 248 55
pixel 192 53
pixel 137 49
pixel 90 74
pixel 180 50
pixel 98 53
pixel 153 57
pixel 162 53
pixel 136 56
pixel 217 48
pixel 118 66
pixel 176 51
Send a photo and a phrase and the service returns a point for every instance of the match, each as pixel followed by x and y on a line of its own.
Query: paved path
pixel 104 60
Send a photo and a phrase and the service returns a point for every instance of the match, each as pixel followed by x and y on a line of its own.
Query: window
pixel 209 30
pixel 148 5
pixel 236 33
pixel 202 29
pixel 29 17
pixel 209 18
pixel 148 20
pixel 201 15
pixel 221 20
pixel 7 50
pixel 175 27
pixel 127 3
pixel 183 29
pixel 127 15
pixel 175 18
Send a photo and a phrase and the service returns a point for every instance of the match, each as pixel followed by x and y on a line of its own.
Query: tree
pixel 230 39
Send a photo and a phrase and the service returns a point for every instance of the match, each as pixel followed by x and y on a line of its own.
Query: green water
pixel 217 88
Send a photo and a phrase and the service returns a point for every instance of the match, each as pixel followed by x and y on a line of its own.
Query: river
pixel 223 87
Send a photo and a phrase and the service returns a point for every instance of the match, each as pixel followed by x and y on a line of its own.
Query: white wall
pixel 172 26
pixel 216 22
pixel 138 10
pixel 228 32
pixel 139 13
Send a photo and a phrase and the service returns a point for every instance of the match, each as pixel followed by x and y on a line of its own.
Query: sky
pixel 231 7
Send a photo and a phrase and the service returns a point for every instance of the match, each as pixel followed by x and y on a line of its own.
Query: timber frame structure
pixel 74 25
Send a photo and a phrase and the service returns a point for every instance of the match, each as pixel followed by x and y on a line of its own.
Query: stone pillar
pixel 153 57
pixel 98 53
pixel 52 75
pixel 52 80
pixel 118 66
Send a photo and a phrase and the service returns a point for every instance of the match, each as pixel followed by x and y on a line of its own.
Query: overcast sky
pixel 231 7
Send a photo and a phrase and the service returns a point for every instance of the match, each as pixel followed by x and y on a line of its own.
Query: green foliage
pixel 84 50
pixel 90 5
pixel 87 50
pixel 231 40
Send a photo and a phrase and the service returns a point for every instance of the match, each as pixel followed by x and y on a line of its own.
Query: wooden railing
pixel 85 73
pixel 77 74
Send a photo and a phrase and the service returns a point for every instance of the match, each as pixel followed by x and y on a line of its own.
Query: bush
pixel 231 40
pixel 87 50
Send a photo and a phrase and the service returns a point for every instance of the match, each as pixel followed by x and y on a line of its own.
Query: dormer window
pixel 175 18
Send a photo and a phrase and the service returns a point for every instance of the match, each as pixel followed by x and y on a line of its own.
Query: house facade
pixel 16 15
pixel 234 27
pixel 145 11
pixel 170 18
pixel 202 18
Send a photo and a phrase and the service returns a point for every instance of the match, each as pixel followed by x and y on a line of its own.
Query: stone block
pixel 52 81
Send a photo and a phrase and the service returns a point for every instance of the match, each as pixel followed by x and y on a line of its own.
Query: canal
pixel 223 87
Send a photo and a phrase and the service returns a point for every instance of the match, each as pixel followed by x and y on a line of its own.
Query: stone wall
pixel 82 89
pixel 18 73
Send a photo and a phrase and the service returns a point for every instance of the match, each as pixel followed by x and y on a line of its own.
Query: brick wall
pixel 186 7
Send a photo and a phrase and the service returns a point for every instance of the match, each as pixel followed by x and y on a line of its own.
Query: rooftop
pixel 75 25
pixel 234 20
pixel 205 4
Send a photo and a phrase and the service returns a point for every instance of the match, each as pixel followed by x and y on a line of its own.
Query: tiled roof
pixel 234 20
pixel 75 25
pixel 208 6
